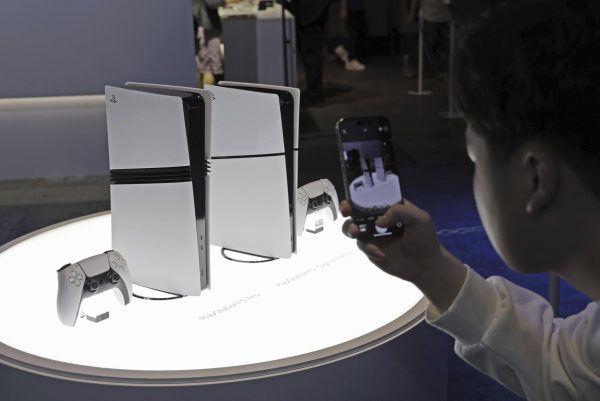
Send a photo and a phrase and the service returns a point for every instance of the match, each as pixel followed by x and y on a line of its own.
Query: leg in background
pixel 311 50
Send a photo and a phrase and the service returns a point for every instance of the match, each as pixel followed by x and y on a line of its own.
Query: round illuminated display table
pixel 324 324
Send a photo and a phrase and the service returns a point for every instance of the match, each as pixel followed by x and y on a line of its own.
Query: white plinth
pixel 325 304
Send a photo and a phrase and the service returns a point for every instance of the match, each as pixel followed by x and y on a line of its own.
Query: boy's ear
pixel 542 174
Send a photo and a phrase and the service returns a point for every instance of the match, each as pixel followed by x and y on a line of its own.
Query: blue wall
pixel 74 47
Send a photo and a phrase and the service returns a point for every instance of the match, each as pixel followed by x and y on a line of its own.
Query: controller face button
pixel 113 265
pixel 75 277
pixel 116 256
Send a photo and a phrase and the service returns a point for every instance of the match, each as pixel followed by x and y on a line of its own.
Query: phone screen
pixel 370 172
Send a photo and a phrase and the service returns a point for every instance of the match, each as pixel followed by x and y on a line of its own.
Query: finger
pixel 345 208
pixel 372 251
pixel 406 213
pixel 350 229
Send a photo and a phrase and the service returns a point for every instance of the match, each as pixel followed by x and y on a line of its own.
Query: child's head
pixel 528 83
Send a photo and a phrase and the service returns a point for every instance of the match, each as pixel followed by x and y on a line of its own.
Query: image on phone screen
pixel 371 174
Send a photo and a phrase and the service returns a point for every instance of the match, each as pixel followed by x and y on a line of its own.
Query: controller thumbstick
pixel 115 278
pixel 92 285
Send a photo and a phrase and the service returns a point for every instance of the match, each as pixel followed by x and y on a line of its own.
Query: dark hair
pixel 531 69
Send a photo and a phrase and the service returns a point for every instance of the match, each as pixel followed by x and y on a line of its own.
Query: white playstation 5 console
pixel 289 108
pixel 158 152
pixel 250 181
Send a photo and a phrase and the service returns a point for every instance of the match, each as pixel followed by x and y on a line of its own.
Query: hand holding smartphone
pixel 369 171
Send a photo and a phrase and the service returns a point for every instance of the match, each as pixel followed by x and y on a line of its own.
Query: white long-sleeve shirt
pixel 510 334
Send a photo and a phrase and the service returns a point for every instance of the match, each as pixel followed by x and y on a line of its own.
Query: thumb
pixel 406 213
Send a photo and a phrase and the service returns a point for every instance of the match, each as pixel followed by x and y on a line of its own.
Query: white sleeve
pixel 510 334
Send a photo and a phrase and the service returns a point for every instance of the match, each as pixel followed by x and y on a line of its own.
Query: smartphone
pixel 369 171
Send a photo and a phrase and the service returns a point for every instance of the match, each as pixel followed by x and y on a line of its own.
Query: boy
pixel 528 84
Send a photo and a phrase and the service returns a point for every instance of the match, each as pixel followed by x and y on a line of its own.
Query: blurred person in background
pixel 209 60
pixel 311 17
pixel 344 26
pixel 435 15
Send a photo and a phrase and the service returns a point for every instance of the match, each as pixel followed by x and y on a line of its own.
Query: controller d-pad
pixel 75 278
pixel 302 198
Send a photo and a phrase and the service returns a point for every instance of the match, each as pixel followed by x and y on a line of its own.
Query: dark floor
pixel 436 175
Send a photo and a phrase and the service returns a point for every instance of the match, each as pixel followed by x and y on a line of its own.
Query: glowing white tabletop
pixel 324 304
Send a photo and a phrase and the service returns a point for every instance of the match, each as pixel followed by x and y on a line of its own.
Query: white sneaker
pixel 342 53
pixel 355 65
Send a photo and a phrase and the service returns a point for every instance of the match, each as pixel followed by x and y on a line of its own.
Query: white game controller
pixel 313 197
pixel 89 277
